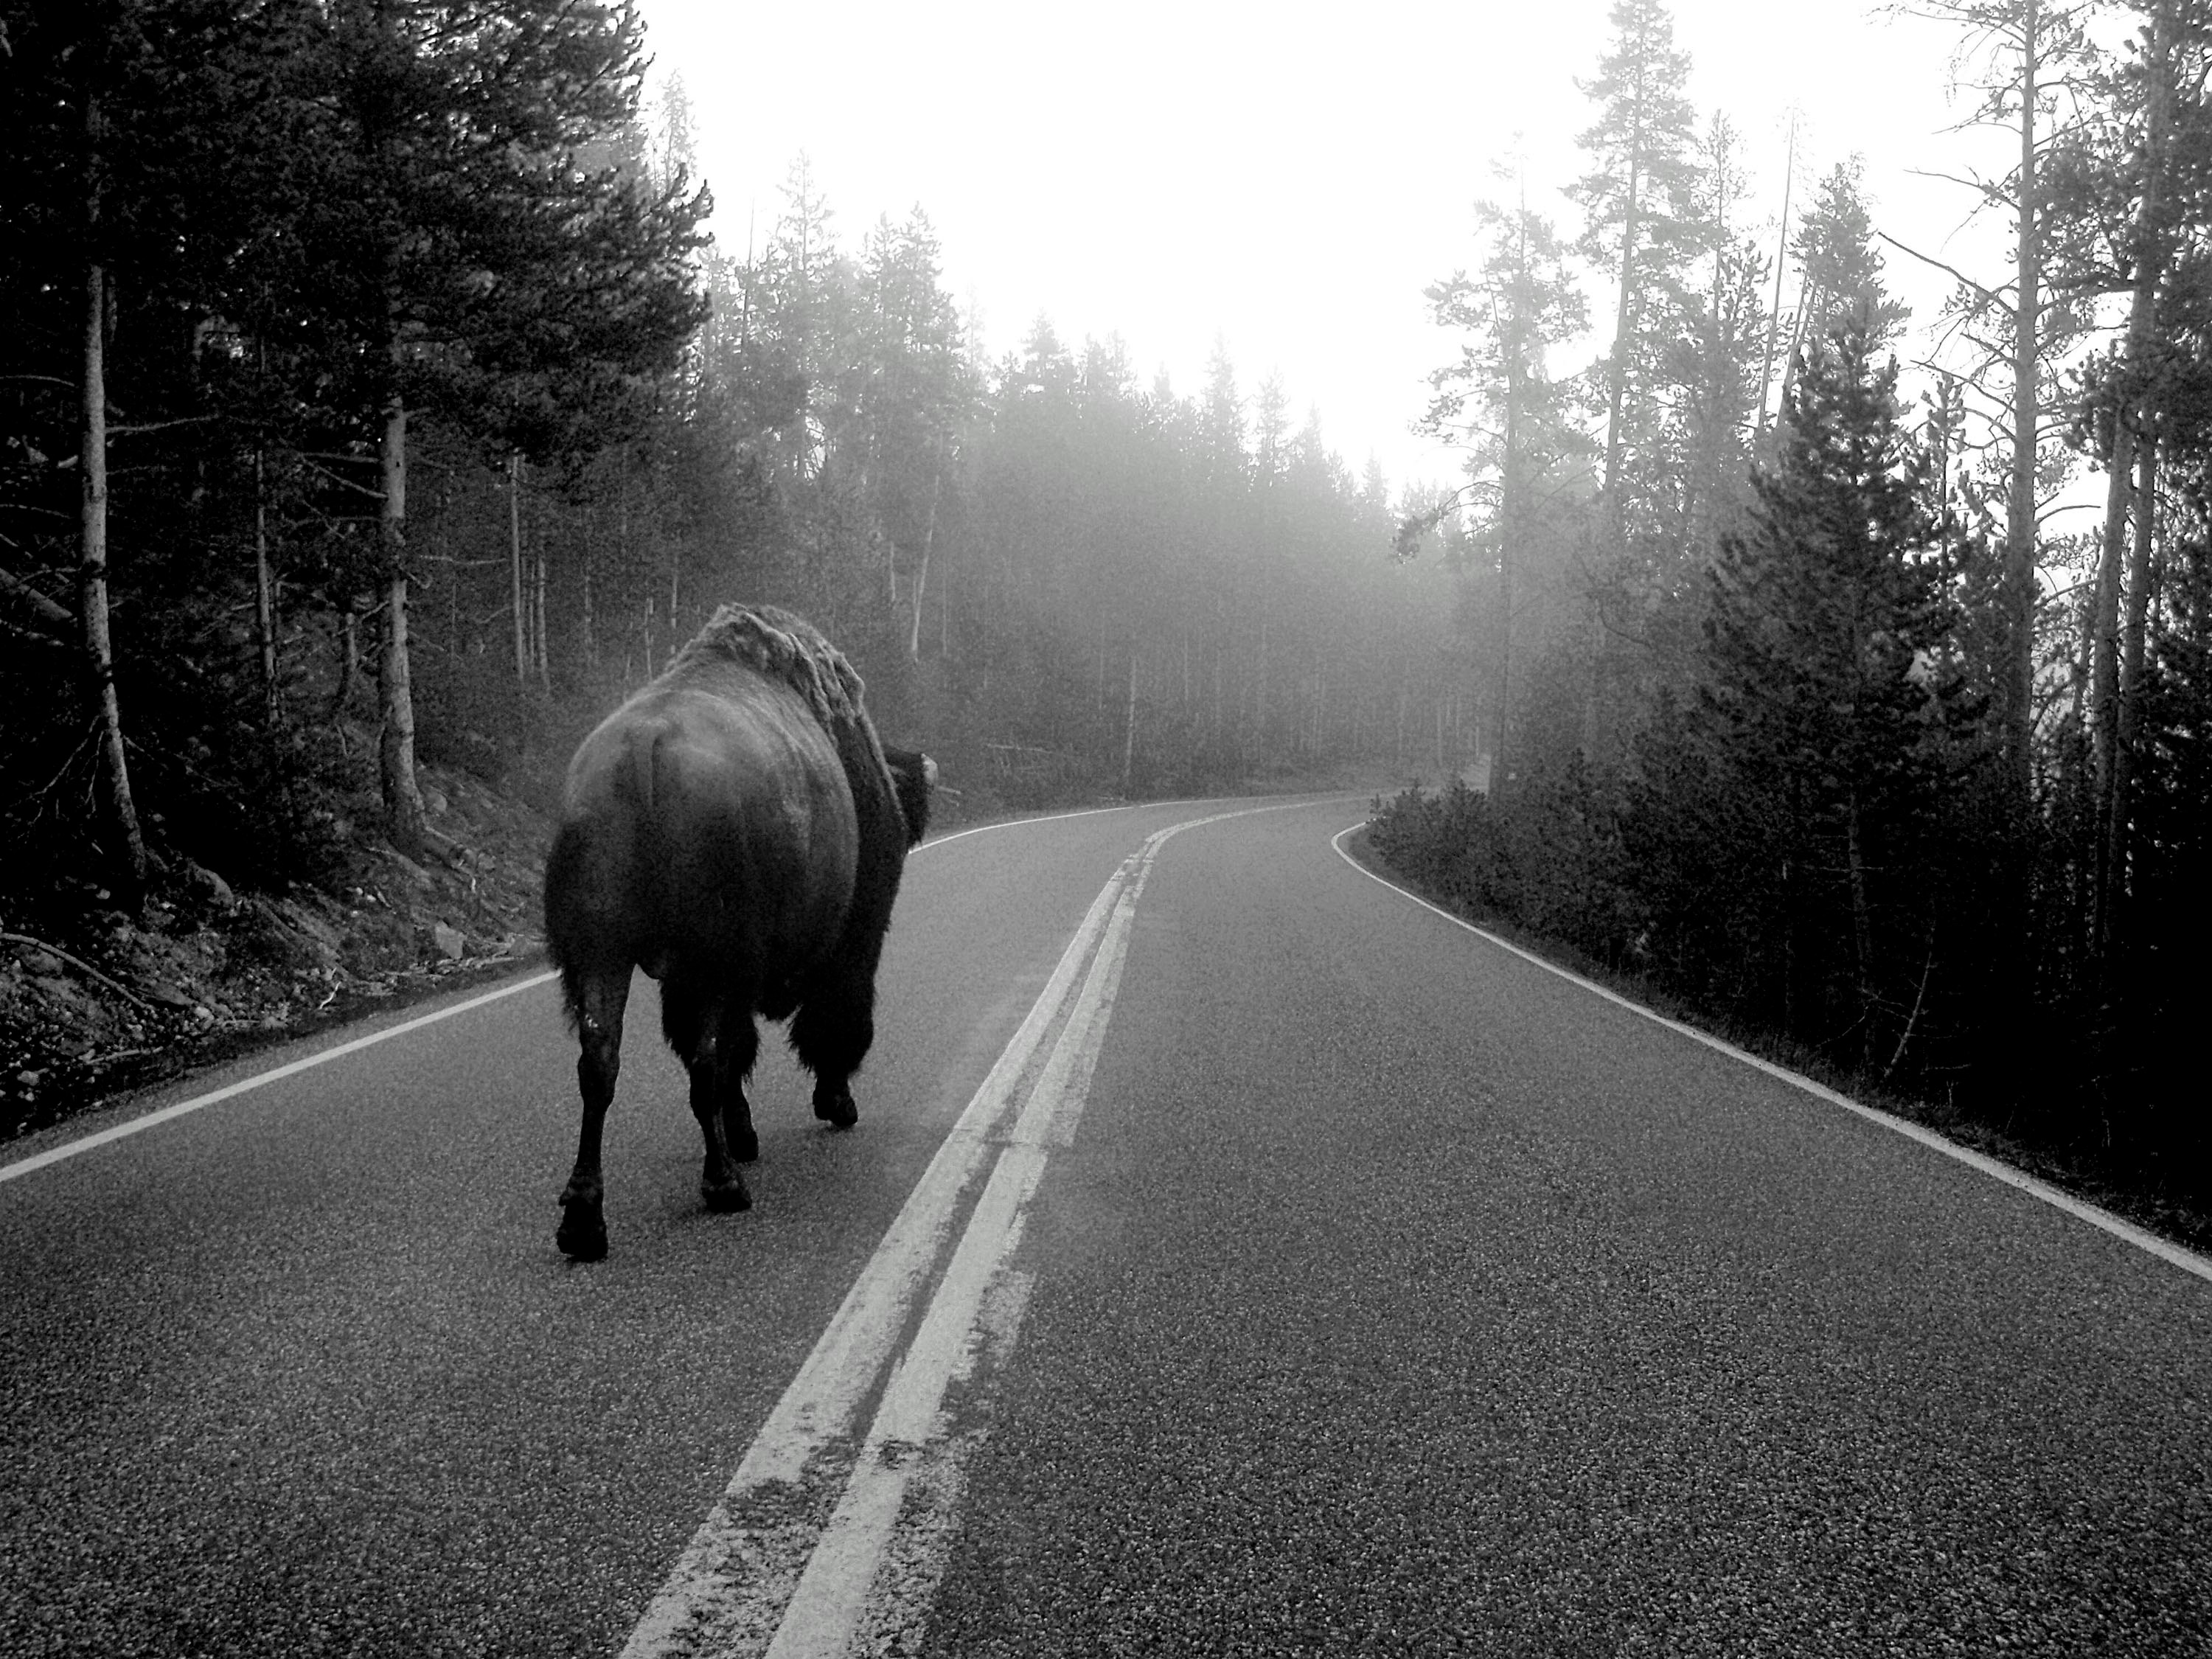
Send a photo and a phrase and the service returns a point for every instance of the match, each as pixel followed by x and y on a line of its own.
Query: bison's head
pixel 912 776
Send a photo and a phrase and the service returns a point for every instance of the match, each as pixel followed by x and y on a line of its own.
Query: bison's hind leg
pixel 832 1032
pixel 740 1046
pixel 597 997
pixel 712 1033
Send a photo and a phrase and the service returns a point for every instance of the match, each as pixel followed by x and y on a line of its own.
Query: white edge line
pixel 1055 817
pixel 1133 806
pixel 2165 1250
pixel 137 1125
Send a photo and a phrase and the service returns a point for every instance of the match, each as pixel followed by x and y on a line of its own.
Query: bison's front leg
pixel 596 999
pixel 832 1032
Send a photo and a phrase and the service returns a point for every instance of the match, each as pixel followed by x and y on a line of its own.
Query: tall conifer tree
pixel 1638 196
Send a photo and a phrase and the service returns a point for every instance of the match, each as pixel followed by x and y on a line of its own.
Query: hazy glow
pixel 1289 179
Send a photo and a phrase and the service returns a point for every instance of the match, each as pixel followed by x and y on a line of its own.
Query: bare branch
pixel 1990 294
pixel 1981 187
pixel 122 991
pixel 160 426
pixel 344 482
pixel 46 609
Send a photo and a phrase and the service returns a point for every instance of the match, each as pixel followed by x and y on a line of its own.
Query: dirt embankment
pixel 94 1000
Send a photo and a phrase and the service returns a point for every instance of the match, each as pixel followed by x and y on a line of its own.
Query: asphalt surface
pixel 1395 1296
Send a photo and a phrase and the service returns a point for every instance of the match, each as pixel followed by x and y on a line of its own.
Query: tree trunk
pixel 2019 507
pixel 348 655
pixel 2131 664
pixel 1509 524
pixel 922 575
pixel 1259 704
pixel 2104 659
pixel 128 851
pixel 1862 927
pixel 1781 259
pixel 1129 727
pixel 1624 314
pixel 591 645
pixel 514 565
pixel 265 594
pixel 402 799
pixel 2119 663
pixel 540 650
pixel 1812 300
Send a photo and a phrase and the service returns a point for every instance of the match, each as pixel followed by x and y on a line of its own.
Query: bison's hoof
pixel 583 1235
pixel 837 1110
pixel 726 1198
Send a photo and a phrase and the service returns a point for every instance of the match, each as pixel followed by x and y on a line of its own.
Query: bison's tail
pixel 651 851
pixel 572 931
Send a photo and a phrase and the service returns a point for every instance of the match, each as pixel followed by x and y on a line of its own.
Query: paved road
pixel 1234 1257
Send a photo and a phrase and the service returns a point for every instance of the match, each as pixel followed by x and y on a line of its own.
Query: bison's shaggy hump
pixel 779 646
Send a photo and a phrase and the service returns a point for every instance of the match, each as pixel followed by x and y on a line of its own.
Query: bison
pixel 736 831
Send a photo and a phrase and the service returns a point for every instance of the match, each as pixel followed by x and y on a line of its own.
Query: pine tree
pixel 1842 269
pixel 1638 198
pixel 1839 269
pixel 1500 401
pixel 1221 422
pixel 2026 51
pixel 460 252
pixel 1827 694
pixel 916 396
pixel 2126 193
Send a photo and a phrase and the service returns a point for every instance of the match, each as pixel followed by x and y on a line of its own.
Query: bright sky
pixel 1287 180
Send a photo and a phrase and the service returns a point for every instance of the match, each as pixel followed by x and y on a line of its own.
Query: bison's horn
pixel 929 771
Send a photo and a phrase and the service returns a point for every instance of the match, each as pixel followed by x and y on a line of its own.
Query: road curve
pixel 1401 1297
pixel 1336 1282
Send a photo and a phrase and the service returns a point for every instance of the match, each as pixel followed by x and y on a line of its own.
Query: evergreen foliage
pixel 1825 734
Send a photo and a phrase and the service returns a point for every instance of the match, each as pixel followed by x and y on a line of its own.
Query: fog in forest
pixel 1728 489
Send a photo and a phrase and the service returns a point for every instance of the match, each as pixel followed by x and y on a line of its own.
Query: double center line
pixel 787 1561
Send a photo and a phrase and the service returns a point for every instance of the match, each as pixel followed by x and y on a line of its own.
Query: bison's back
pixel 708 831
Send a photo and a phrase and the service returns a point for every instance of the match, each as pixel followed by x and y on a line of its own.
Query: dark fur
pixel 736 831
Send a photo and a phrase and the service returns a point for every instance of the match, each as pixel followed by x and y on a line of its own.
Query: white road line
pixel 818 1623
pixel 733 1587
pixel 1008 823
pixel 1093 812
pixel 2165 1249
pixel 712 1584
pixel 908 1433
pixel 138 1125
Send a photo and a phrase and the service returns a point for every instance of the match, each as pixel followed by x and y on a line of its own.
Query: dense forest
pixel 376 398
pixel 1803 711
pixel 371 360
